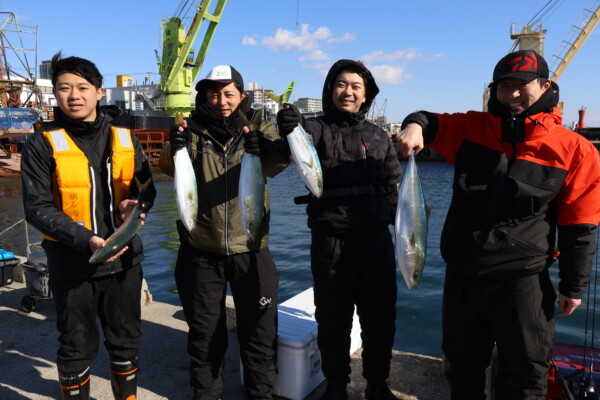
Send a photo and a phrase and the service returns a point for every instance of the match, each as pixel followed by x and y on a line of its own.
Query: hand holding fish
pixel 252 141
pixel 179 136
pixel 409 138
pixel 288 118
pixel 96 242
pixel 127 206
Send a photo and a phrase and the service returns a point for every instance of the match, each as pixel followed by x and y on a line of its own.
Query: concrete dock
pixel 28 344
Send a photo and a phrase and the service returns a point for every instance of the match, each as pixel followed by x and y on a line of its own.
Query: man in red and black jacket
pixel 520 178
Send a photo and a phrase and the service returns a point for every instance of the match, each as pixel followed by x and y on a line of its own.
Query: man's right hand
pixel 409 138
pixel 179 136
pixel 288 119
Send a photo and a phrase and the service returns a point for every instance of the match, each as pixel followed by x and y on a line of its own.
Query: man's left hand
pixel 252 141
pixel 126 207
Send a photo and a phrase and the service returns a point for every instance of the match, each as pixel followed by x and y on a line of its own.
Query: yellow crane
pixel 178 67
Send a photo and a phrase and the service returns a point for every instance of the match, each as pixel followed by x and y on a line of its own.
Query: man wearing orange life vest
pixel 521 180
pixel 78 179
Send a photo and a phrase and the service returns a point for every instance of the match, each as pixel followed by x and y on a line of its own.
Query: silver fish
pixel 251 195
pixel 122 236
pixel 411 225
pixel 186 191
pixel 306 160
pixel 251 189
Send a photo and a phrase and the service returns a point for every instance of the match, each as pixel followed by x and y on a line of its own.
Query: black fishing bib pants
pixel 114 300
pixel 517 316
pixel 354 271
pixel 201 279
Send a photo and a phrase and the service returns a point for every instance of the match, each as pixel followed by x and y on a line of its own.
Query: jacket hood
pixel 546 103
pixel 329 109
pixel 532 122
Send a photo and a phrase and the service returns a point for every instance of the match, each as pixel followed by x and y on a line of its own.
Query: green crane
pixel 177 67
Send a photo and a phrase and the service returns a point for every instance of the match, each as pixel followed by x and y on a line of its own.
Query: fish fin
pixel 275 98
pixel 142 186
pixel 286 95
pixel 427 211
pixel 243 117
pixel 256 119
pixel 282 98
pixel 178 118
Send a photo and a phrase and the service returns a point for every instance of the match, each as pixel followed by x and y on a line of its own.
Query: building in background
pixel 45 70
pixel 308 105
pixel 258 99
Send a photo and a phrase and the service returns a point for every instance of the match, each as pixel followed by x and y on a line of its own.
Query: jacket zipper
pixel 93 182
pixel 110 194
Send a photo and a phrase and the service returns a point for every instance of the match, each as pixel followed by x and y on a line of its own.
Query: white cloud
pixel 249 41
pixel 317 55
pixel 346 37
pixel 380 56
pixel 389 74
pixel 306 40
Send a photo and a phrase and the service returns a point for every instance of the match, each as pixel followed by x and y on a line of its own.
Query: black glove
pixel 253 141
pixel 288 119
pixel 178 139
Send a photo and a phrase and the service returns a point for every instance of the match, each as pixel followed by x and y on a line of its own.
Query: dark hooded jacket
pixel 68 257
pixel 518 180
pixel 360 165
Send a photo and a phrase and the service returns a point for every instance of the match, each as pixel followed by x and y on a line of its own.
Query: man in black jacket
pixel 352 253
pixel 78 178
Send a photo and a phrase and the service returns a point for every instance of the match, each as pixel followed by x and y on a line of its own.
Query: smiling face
pixel 225 98
pixel 349 92
pixel 518 95
pixel 77 97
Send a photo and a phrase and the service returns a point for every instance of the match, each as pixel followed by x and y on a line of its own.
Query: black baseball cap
pixel 525 65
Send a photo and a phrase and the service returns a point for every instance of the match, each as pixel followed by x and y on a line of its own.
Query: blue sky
pixel 434 55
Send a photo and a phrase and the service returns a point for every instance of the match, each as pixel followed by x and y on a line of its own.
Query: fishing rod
pixel 587 385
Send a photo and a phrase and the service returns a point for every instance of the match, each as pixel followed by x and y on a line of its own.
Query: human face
pixel 518 95
pixel 77 97
pixel 226 99
pixel 349 92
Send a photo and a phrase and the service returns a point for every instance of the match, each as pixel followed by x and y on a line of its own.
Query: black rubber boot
pixel 123 379
pixel 378 390
pixel 75 386
pixel 335 391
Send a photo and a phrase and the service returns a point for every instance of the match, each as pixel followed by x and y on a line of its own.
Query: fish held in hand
pixel 122 236
pixel 251 195
pixel 306 160
pixel 412 215
pixel 186 192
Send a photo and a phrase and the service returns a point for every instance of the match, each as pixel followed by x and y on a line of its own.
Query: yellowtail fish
pixel 122 236
pixel 306 160
pixel 412 216
pixel 251 190
pixel 186 191
pixel 303 151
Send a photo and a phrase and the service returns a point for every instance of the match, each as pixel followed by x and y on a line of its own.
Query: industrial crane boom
pixel 177 58
pixel 575 38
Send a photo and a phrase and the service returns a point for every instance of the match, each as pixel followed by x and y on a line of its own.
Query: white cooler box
pixel 299 359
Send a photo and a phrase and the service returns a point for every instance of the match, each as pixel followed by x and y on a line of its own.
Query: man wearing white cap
pixel 216 251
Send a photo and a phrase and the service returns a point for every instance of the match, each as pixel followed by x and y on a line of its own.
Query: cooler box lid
pixel 296 328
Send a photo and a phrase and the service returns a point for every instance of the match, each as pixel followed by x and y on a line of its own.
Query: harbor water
pixel 418 311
